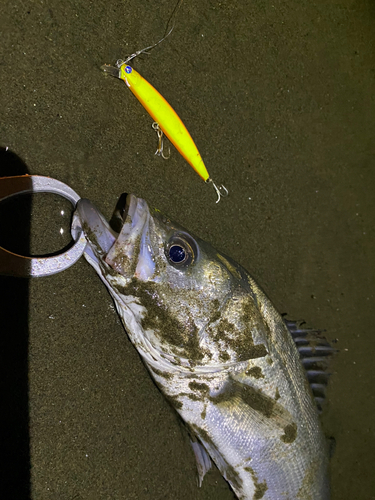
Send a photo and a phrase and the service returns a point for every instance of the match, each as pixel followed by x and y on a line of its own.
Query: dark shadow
pixel 14 335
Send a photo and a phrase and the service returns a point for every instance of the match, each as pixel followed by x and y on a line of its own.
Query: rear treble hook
pixel 221 191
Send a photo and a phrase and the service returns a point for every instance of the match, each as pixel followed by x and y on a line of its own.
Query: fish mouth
pixel 126 205
pixel 124 242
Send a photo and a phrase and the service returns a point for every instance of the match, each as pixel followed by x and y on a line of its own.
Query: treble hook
pixel 160 150
pixel 221 191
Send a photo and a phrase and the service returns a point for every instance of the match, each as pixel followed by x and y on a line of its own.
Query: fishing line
pixel 168 30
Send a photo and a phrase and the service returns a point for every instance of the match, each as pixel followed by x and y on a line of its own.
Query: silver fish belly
pixel 218 350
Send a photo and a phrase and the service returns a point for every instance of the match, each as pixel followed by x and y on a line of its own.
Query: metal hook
pixel 221 191
pixel 160 150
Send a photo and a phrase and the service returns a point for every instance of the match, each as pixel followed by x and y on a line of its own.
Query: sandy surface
pixel 279 97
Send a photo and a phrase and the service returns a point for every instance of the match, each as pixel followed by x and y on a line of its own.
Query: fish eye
pixel 177 254
pixel 180 251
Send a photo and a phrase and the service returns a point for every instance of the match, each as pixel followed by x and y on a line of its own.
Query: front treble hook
pixel 221 191
pixel 160 150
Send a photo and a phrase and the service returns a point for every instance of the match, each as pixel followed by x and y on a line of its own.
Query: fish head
pixel 170 288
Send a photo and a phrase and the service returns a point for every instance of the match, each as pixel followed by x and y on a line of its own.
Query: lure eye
pixel 181 251
pixel 128 69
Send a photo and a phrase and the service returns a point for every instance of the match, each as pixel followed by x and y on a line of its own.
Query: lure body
pixel 163 113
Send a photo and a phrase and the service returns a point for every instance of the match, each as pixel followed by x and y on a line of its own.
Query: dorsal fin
pixel 316 355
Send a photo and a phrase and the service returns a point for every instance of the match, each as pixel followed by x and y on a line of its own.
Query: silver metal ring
pixel 12 264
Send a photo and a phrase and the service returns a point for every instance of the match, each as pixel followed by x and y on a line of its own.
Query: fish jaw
pixel 132 254
pixel 128 253
pixel 98 233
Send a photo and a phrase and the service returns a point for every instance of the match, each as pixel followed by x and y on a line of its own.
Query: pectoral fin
pixel 203 460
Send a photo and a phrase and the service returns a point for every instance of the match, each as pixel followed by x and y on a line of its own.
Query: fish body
pixel 217 349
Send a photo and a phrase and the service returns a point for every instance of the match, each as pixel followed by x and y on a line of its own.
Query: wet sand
pixel 279 97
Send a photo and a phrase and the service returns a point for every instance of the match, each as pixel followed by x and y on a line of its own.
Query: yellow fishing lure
pixel 166 118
